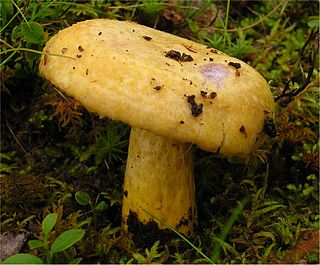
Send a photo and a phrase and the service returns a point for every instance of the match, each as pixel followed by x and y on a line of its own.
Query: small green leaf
pixel 307 191
pixel 22 258
pixel 193 26
pixel 138 257
pixel 153 253
pixel 82 198
pixel 35 244
pixel 226 246
pixel 75 261
pixel 312 177
pixel 313 22
pixel 66 240
pixel 4 168
pixel 268 209
pixel 7 156
pixel 101 206
pixel 7 10
pixel 152 7
pixel 291 187
pixel 265 234
pixel 33 32
pixel 268 250
pixel 26 170
pixel 48 222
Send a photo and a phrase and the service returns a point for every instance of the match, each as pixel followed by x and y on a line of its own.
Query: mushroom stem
pixel 158 179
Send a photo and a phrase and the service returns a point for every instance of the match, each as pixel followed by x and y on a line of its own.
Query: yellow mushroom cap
pixel 160 82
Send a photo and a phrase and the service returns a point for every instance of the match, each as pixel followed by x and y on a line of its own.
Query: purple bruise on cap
pixel 215 72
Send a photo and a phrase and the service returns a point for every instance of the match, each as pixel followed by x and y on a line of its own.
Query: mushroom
pixel 173 92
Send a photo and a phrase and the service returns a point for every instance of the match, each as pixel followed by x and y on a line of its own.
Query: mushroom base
pixel 158 180
pixel 143 235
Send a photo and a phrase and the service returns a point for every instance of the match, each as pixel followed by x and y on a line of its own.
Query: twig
pixel 15 138
pixel 285 95
pixel 6 43
pixel 310 38
pixel 61 94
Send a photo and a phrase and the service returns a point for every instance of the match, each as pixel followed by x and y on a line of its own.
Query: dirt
pixel 144 235
pixel 157 88
pixel 204 94
pixel 235 65
pixel 147 38
pixel 196 109
pixel 269 128
pixel 184 221
pixel 242 129
pixel 175 55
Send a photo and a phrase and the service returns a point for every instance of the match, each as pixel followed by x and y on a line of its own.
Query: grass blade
pixel 226 229
pixel 181 236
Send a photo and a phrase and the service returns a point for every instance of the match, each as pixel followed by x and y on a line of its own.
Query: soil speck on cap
pixel 80 48
pixel 186 58
pixel 242 129
pixel 214 51
pixel 204 94
pixel 175 55
pixel 235 65
pixel 63 50
pixel 212 95
pixel 147 38
pixel 157 88
pixel 78 55
pixel 196 109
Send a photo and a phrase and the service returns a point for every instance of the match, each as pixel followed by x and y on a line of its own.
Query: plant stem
pixel 226 229
pixel 19 10
pixel 9 22
pixel 46 249
pixel 226 24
